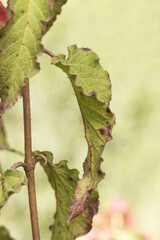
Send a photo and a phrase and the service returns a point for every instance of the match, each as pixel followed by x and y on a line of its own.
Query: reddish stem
pixel 30 161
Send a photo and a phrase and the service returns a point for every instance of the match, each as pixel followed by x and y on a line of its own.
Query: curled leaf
pixel 64 180
pixel 92 88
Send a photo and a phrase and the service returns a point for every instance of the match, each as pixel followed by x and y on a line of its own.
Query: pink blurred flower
pixel 104 234
pixel 119 214
pixel 145 237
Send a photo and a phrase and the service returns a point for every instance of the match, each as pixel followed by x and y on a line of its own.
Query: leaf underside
pixel 64 180
pixel 10 183
pixel 92 88
pixel 4 234
pixel 20 44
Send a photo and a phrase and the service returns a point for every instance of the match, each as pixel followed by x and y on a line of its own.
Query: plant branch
pixel 12 150
pixel 31 162
pixel 48 52
pixel 26 166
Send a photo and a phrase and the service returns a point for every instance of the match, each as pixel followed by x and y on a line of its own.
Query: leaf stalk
pixel 48 52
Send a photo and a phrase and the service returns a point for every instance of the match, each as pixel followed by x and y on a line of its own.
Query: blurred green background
pixel 126 36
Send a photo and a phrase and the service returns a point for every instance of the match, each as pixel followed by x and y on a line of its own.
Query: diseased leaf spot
pixel 5 87
pixel 102 131
pixel 108 110
pixel 100 172
pixel 70 179
pixel 93 94
pixel 51 227
pixel 86 49
pixel 109 128
pixel 109 132
pixel 89 192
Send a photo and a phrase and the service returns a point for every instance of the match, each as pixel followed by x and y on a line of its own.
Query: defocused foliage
pixel 126 36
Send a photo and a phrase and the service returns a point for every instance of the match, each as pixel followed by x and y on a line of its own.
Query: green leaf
pixel 4 234
pixel 64 180
pixel 3 142
pixel 92 88
pixel 10 183
pixel 20 45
